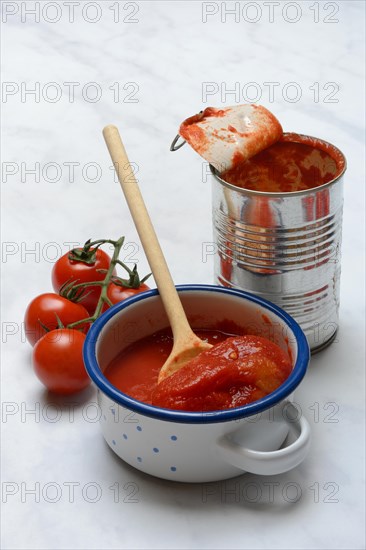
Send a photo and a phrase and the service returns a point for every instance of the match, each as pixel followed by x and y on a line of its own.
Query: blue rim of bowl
pixel 170 415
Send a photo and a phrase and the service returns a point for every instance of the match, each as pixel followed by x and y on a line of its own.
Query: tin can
pixel 284 247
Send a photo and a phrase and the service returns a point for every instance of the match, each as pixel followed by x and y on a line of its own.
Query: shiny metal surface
pixel 284 247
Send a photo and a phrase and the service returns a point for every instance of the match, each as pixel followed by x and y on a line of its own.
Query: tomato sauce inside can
pixel 289 165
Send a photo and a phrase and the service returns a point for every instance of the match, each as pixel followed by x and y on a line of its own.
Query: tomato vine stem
pixel 103 299
pixel 74 291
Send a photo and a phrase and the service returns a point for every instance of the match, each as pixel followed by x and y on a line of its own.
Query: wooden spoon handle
pixel 146 231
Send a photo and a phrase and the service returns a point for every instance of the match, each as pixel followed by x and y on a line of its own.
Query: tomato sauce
pixel 236 371
pixel 293 163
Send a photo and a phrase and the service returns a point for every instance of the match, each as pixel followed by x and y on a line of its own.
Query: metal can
pixel 284 247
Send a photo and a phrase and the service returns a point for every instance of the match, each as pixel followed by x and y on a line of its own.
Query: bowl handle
pixel 271 462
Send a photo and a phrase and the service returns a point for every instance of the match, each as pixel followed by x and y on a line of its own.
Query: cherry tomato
pixel 118 293
pixel 66 269
pixel 45 309
pixel 58 361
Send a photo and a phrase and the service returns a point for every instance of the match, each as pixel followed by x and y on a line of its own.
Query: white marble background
pixel 159 57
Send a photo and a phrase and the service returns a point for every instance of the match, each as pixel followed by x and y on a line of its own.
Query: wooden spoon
pixel 186 344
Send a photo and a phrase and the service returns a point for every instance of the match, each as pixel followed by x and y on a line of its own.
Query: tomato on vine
pixel 120 289
pixel 55 323
pixel 58 361
pixel 47 311
pixel 83 265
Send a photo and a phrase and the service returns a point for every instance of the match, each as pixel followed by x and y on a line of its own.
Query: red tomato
pixel 66 269
pixel 44 309
pixel 58 361
pixel 118 293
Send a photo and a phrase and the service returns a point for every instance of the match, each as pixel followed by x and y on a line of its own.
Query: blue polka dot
pixel 138 428
pixel 139 459
pixel 113 412
pixel 173 438
pixel 113 442
pixel 125 436
pixel 173 468
pixel 156 450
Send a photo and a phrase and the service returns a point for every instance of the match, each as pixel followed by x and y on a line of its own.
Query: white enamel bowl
pixel 206 446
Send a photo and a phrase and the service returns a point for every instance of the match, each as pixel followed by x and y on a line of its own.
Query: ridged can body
pixel 285 247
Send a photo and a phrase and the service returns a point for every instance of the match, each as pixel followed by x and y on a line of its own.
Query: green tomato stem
pixel 104 284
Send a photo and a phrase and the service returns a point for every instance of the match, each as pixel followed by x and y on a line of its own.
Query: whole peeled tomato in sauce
pixel 238 371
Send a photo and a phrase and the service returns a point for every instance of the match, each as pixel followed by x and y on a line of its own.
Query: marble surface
pixel 145 66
